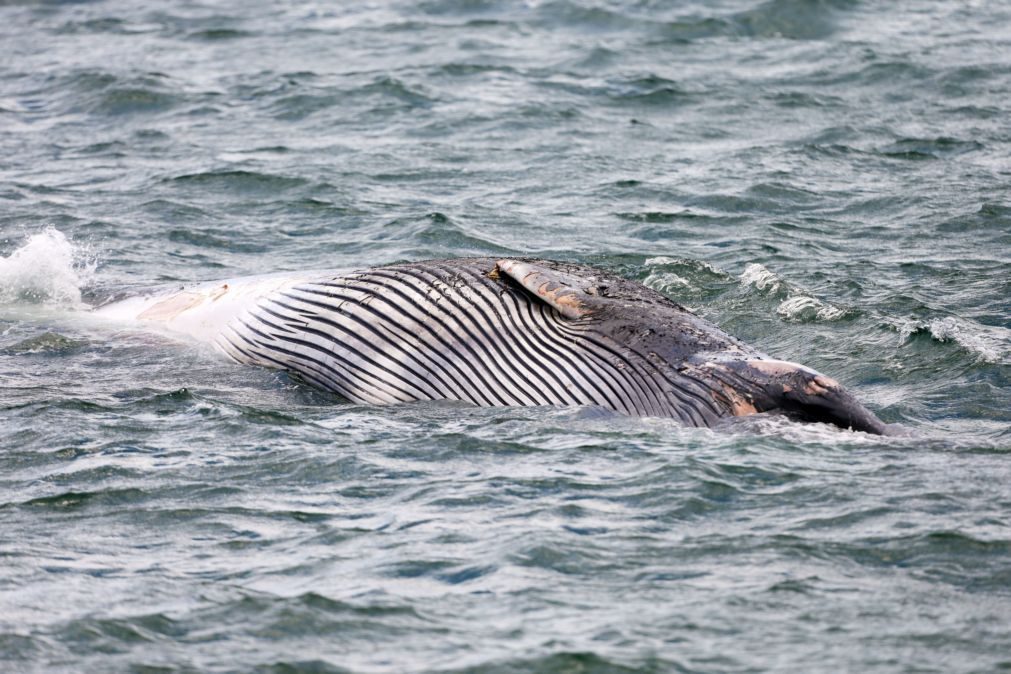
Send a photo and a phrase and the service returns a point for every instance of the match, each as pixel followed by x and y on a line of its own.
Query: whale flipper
pixel 569 295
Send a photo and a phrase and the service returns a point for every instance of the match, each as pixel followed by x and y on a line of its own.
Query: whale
pixel 496 332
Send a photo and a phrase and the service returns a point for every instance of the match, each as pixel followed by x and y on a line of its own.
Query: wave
pixel 989 344
pixel 47 269
pixel 684 279
pixel 796 304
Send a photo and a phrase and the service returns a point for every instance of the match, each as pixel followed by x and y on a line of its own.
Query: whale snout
pixel 798 391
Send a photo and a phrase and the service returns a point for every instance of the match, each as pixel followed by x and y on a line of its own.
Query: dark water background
pixel 828 179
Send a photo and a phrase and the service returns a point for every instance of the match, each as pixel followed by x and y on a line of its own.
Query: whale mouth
pixel 754 386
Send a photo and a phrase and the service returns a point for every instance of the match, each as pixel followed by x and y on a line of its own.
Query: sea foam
pixel 797 304
pixel 47 269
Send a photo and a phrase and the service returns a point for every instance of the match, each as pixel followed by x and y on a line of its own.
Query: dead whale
pixel 497 333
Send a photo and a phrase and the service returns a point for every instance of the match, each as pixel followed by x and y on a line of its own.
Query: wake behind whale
pixel 496 332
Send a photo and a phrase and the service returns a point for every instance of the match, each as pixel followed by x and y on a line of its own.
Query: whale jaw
pixel 759 385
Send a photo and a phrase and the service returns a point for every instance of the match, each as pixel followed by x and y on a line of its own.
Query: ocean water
pixel 829 180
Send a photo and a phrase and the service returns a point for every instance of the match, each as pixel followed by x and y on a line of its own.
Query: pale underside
pixel 441 331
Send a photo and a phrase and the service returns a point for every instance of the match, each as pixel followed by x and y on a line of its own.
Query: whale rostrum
pixel 498 333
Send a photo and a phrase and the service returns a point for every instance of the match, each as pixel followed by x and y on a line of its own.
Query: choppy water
pixel 828 179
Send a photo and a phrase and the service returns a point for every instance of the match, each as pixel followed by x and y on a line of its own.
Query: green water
pixel 829 180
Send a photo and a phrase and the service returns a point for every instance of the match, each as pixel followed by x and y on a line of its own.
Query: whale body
pixel 497 333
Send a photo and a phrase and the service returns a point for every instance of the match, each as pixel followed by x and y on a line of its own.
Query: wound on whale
pixel 498 333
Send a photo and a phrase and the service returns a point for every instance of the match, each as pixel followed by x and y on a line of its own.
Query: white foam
pixel 805 307
pixel 670 283
pixel 798 305
pixel 992 344
pixel 666 282
pixel 761 278
pixel 47 269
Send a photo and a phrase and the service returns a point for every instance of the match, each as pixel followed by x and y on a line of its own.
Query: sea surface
pixel 829 180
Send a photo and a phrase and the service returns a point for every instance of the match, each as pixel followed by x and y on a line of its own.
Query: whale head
pixel 764 385
pixel 711 373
